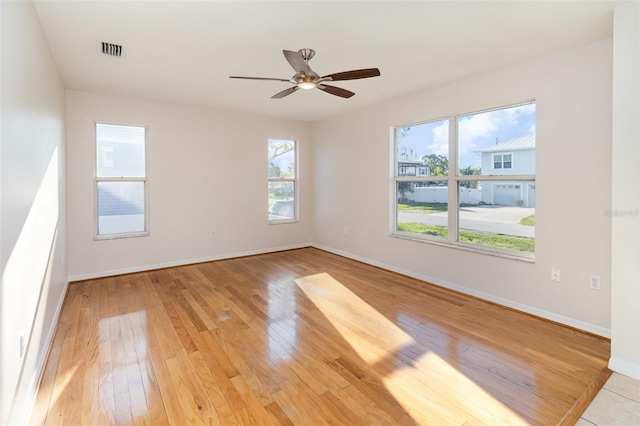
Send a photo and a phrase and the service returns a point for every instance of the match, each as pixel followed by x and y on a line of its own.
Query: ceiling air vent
pixel 111 49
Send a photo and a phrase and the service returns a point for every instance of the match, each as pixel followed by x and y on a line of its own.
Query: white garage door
pixel 507 194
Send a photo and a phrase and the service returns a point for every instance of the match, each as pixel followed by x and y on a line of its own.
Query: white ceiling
pixel 184 52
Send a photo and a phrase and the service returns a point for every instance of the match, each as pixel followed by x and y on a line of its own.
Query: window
pixel 121 181
pixel 283 184
pixel 502 161
pixel 479 191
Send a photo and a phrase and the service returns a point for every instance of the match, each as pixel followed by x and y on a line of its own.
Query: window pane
pixel 282 158
pixel 120 207
pixel 422 208
pixel 423 149
pixel 497 162
pixel 506 161
pixel 498 214
pixel 120 151
pixel 495 140
pixel 281 200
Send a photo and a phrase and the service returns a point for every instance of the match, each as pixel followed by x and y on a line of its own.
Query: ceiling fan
pixel 306 78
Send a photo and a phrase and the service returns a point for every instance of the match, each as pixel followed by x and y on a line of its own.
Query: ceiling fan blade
pixel 285 92
pixel 296 61
pixel 338 91
pixel 259 78
pixel 354 75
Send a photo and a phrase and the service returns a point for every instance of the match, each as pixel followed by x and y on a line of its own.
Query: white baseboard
pixel 23 415
pixel 571 322
pixel 624 367
pixel 142 268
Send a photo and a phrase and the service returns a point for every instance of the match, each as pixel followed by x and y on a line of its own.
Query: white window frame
pixel 145 180
pixel 453 180
pixel 502 167
pixel 293 179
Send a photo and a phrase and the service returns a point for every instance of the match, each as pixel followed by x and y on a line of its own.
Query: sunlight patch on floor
pixel 448 392
pixel 368 332
pixel 430 382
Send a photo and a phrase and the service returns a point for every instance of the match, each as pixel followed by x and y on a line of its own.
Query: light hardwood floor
pixel 306 337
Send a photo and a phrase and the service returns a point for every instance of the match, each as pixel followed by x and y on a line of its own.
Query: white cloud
pixel 474 127
pixel 476 131
pixel 440 143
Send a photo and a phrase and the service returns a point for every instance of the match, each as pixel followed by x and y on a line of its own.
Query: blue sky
pixel 476 131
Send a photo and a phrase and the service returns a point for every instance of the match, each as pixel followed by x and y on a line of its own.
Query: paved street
pixel 494 219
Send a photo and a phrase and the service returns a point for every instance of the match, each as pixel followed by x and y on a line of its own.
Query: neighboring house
pixel 514 157
pixel 413 168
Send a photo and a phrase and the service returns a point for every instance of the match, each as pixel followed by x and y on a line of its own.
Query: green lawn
pixel 494 240
pixel 419 206
pixel 529 220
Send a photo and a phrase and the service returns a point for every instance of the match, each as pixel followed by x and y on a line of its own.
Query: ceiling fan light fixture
pixel 305 82
pixel 306 85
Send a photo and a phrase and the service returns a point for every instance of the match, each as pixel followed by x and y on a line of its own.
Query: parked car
pixel 281 210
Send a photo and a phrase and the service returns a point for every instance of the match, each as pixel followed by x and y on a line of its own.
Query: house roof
pixel 412 163
pixel 524 142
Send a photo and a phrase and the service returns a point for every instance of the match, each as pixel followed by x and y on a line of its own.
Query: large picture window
pixel 283 183
pixel 121 181
pixel 479 187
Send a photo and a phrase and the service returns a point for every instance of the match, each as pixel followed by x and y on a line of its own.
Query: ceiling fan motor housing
pixel 305 81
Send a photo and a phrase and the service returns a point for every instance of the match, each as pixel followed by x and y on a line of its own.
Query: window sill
pixel 476 249
pixel 120 236
pixel 283 221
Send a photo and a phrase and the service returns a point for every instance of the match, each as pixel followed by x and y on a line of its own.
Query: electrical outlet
pixel 555 274
pixel 213 234
pixel 345 231
pixel 594 282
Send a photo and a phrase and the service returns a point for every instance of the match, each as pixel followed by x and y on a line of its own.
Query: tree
pixel 403 132
pixel 278 148
pixel 406 154
pixel 470 171
pixel 403 189
pixel 274 170
pixel 438 164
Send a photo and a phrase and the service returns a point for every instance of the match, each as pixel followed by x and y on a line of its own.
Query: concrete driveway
pixel 494 219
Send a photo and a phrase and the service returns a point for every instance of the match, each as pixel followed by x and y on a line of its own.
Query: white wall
pixel 207 172
pixel 32 225
pixel 573 143
pixel 200 157
pixel 625 222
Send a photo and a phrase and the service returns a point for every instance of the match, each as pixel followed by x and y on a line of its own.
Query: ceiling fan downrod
pixel 307 54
